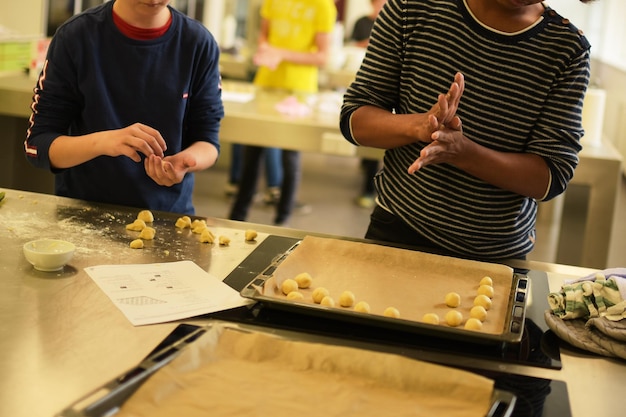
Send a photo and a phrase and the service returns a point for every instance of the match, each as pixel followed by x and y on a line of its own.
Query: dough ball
pixel 207 236
pixel 486 280
pixel 453 299
pixel 224 240
pixel 136 244
pixel 391 312
pixel 198 226
pixel 295 295
pixel 288 286
pixel 137 226
pixel 478 312
pixel 473 324
pixel 362 307
pixel 146 216
pixel 486 290
pixel 318 294
pixel 183 222
pixel 327 301
pixel 250 235
pixel 147 233
pixel 304 280
pixel 430 318
pixel 482 300
pixel 346 299
pixel 454 318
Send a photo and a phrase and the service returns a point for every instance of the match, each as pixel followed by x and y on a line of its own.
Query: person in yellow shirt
pixel 294 42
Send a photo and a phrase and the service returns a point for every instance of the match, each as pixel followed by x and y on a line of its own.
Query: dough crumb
pixel 304 280
pixel 453 299
pixel 319 293
pixel 430 318
pixel 250 235
pixel 136 244
pixel 391 312
pixel 137 226
pixel 346 299
pixel 454 318
pixel 288 285
pixel 362 307
pixel 146 216
pixel 147 233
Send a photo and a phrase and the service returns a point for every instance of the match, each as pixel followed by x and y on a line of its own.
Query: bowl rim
pixel 70 246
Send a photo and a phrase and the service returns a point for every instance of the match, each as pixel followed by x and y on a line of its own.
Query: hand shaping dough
pixel 146 216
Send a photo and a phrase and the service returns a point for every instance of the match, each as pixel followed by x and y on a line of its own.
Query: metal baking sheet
pixel 264 290
pixel 107 400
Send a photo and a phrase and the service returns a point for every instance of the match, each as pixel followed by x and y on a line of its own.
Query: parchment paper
pixel 229 372
pixel 413 282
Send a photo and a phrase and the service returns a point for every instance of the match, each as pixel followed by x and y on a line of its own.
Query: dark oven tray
pixel 107 400
pixel 511 333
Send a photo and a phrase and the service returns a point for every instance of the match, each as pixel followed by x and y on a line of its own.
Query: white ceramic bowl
pixel 49 254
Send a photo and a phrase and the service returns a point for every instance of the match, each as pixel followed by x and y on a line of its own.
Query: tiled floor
pixel 330 185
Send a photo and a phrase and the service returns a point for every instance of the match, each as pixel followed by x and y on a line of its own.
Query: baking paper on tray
pixel 415 283
pixel 229 372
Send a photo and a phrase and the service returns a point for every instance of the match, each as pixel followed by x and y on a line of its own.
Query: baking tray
pixel 107 400
pixel 510 332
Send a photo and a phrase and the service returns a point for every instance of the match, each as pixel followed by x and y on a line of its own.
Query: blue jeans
pixel 273 168
pixel 252 157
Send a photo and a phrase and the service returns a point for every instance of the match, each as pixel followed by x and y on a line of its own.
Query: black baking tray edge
pixel 107 400
pixel 514 321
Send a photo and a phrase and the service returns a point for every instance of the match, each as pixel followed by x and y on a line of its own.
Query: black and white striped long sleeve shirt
pixel 523 93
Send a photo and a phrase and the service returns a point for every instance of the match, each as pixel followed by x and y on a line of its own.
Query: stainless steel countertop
pixel 61 336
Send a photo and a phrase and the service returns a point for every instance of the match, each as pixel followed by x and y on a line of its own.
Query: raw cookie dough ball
pixel 473 324
pixel 346 299
pixel 453 299
pixel 198 226
pixel 318 294
pixel 224 240
pixel 431 318
pixel 136 226
pixel 362 307
pixel 486 280
pixel 146 216
pixel 486 290
pixel 327 301
pixel 147 233
pixel 136 244
pixel 454 318
pixel 483 300
pixel 295 295
pixel 391 312
pixel 183 222
pixel 288 286
pixel 478 312
pixel 207 236
pixel 250 235
pixel 303 279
